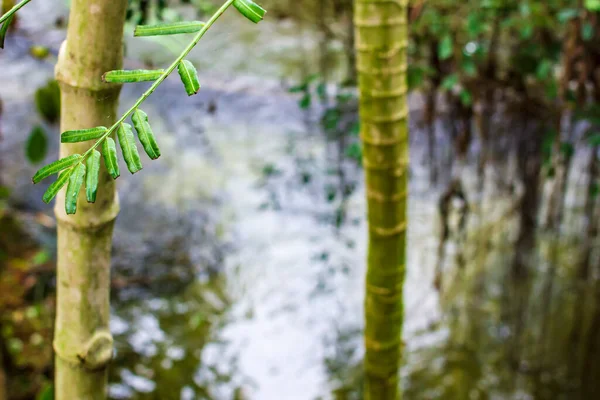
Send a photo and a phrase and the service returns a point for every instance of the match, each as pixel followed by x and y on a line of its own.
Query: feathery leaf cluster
pixel 79 168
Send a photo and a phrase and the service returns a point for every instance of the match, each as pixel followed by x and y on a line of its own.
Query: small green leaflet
pixel 128 148
pixel 56 167
pixel 57 185
pixel 145 134
pixel 109 151
pixel 250 10
pixel 173 28
pixel 130 76
pixel 4 29
pixel 189 77
pixel 75 183
pixel 91 180
pixel 83 135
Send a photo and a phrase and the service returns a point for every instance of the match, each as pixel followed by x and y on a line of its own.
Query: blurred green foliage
pixel 47 101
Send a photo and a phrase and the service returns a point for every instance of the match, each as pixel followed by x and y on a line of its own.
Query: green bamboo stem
pixel 381 42
pixel 82 341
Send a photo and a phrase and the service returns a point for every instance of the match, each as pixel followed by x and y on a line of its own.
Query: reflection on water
pixel 237 279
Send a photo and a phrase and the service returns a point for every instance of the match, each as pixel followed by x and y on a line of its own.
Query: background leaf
pixel 47 101
pixel 37 145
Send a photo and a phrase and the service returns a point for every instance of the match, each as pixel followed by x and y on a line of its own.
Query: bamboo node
pixel 383 198
pixel 93 355
pixel 378 23
pixel 399 116
pixel 399 166
pixel 381 346
pixel 382 142
pixel 389 232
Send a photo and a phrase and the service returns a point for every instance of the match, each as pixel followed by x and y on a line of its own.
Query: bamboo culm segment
pixel 132 76
pixel 93 46
pixel 173 28
pixel 56 167
pixel 145 134
pixel 93 172
pixel 73 188
pixel 111 161
pixel 381 38
pixel 83 135
pixel 52 191
pixel 189 77
pixel 128 148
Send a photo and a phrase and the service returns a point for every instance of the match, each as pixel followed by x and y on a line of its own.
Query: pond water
pixel 239 264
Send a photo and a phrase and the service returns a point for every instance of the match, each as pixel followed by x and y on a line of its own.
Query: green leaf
pixel 474 24
pixel 415 76
pixel 189 77
pixel 37 145
pixel 250 10
pixel 53 189
pixel 594 140
pixel 544 69
pixel 109 152
pixel 595 190
pixel 567 149
pixel 466 98
pixel 46 393
pixel 73 188
pixel 305 101
pixel 56 167
pixel 322 91
pixel 4 29
pixel 145 134
pixel 128 148
pixel 445 47
pixel 83 135
pixel 91 181
pixel 354 151
pixel 449 82
pixel 469 67
pixel 587 31
pixel 172 28
pixel 47 101
pixel 567 14
pixel 592 5
pixel 303 87
pixel 130 76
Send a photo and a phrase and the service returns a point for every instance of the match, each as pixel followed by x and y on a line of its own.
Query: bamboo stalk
pixel 381 43
pixel 82 342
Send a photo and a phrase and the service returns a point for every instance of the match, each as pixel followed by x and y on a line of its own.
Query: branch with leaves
pixel 78 168
pixel 7 18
